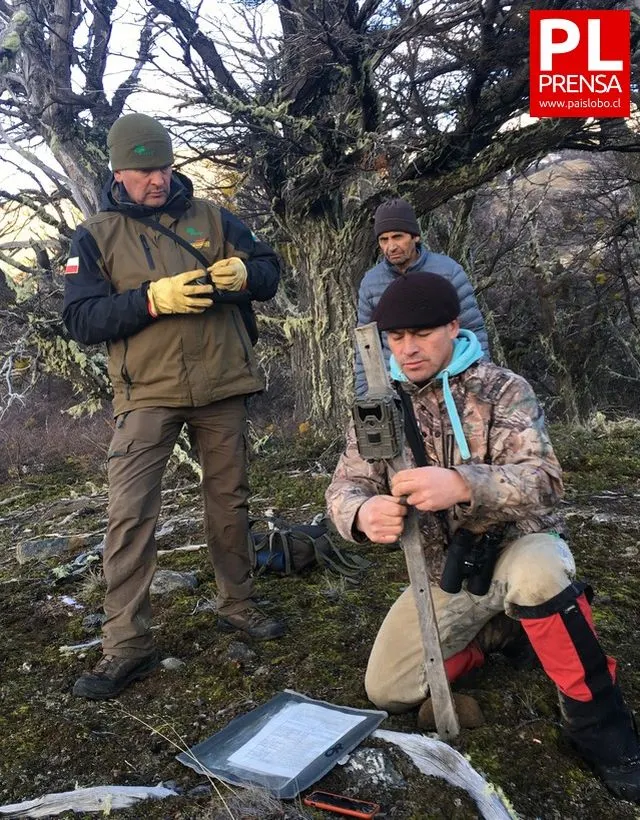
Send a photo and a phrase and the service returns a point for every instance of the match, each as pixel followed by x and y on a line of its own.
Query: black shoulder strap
pixel 158 226
pixel 414 439
pixel 412 431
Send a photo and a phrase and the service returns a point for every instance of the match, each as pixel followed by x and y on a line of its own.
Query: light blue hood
pixel 466 351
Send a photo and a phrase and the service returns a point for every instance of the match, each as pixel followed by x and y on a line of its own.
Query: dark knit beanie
pixel 395 215
pixel 139 141
pixel 417 300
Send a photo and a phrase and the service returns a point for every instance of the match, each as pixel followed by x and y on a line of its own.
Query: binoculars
pixel 471 557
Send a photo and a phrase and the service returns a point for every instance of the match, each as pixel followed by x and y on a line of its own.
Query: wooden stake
pixel 444 709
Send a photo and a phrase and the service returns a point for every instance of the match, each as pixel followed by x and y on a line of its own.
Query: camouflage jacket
pixel 513 473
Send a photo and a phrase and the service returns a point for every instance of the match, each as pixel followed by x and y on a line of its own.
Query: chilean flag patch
pixel 73 265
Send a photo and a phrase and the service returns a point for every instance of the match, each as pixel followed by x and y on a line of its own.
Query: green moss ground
pixel 51 741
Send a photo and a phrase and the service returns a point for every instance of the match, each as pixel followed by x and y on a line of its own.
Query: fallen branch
pixel 78 647
pixel 97 798
pixel 188 548
pixel 438 759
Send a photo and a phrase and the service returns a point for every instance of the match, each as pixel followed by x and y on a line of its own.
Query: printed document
pixel 293 738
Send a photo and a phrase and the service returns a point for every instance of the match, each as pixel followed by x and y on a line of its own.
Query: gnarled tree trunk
pixel 328 261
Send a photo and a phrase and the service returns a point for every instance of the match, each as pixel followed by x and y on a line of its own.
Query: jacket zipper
pixel 449 452
pixel 147 252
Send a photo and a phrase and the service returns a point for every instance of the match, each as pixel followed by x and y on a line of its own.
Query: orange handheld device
pixel 341 804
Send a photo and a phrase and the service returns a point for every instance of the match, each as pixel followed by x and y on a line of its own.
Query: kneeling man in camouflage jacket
pixel 493 472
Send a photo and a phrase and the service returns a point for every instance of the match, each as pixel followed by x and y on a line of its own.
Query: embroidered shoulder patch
pixel 72 266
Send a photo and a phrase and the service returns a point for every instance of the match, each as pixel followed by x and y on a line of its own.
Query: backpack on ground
pixel 284 549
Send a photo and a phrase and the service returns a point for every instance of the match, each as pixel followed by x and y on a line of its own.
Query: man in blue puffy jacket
pixel 398 235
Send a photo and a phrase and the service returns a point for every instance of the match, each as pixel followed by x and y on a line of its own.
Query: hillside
pixel 52 741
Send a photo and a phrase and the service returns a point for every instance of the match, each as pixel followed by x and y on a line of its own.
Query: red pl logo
pixel 580 63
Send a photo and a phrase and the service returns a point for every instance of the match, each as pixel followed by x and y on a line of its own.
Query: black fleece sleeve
pixel 262 263
pixel 93 312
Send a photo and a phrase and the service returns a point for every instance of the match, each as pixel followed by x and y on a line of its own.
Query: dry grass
pixel 229 802
pixel 93 586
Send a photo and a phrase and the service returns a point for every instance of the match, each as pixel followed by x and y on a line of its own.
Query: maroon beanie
pixel 417 300
pixel 395 215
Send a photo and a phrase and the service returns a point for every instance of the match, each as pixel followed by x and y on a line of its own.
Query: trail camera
pixel 379 430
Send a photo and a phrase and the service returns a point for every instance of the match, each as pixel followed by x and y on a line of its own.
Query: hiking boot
pixel 111 675
pixel 622 779
pixel 253 622
pixel 603 732
pixel 469 713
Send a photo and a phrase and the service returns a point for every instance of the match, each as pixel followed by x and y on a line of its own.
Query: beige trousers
pixel 139 451
pixel 528 572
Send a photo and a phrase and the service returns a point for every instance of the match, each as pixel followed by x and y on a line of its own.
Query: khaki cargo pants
pixel 529 572
pixel 138 454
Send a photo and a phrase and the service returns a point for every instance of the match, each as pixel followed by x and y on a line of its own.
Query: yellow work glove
pixel 175 294
pixel 229 274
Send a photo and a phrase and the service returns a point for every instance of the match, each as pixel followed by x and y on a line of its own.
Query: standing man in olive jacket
pixel 180 352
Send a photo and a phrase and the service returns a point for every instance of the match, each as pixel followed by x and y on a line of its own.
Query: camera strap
pixel 414 440
pixel 412 431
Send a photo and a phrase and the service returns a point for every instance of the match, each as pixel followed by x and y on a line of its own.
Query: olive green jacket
pixel 185 360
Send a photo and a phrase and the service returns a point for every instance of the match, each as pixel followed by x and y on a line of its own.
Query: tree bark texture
pixel 327 260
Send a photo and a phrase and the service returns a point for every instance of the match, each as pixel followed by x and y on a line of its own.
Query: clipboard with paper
pixel 285 745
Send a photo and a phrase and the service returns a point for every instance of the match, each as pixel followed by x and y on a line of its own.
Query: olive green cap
pixel 139 141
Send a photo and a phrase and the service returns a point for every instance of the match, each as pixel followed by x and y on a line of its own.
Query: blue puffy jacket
pixel 377 280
